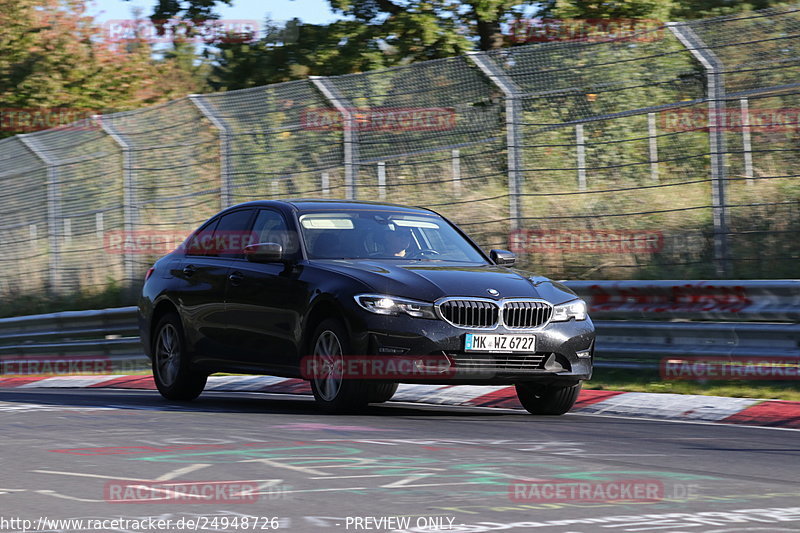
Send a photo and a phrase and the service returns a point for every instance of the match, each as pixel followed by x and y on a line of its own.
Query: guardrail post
pixel 128 195
pixel 716 114
pixel 224 148
pixel 513 97
pixel 350 133
pixel 53 214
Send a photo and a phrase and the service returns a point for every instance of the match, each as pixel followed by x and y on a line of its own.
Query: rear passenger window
pixel 225 237
pixel 232 235
pixel 199 243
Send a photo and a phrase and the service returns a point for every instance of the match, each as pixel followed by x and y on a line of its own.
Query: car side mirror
pixel 502 257
pixel 264 252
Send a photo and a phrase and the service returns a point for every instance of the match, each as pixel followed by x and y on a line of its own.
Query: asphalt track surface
pixel 79 454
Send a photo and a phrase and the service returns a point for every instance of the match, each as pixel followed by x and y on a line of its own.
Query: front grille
pixel 470 313
pixel 526 314
pixel 512 362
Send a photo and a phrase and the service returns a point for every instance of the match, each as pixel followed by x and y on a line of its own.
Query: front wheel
pixel 174 377
pixel 382 392
pixel 333 390
pixel 547 399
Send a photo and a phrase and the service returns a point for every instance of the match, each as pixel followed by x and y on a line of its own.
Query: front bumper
pixel 564 350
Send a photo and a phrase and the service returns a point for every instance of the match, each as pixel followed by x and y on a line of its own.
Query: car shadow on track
pixel 227 402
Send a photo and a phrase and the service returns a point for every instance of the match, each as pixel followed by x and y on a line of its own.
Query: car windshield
pixel 384 235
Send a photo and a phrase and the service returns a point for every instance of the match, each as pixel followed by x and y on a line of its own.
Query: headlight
pixel 391 305
pixel 575 309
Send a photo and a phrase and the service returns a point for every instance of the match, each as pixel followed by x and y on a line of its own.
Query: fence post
pixel 224 149
pixel 716 113
pixel 128 195
pixel 653 137
pixel 53 214
pixel 513 95
pixel 382 180
pixel 350 133
pixel 580 153
pixel 747 145
pixel 325 183
pixel 456 168
pixel 99 226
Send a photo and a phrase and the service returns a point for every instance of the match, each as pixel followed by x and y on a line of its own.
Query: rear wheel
pixel 333 391
pixel 547 399
pixel 172 372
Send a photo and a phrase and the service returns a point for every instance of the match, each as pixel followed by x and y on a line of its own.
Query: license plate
pixel 476 342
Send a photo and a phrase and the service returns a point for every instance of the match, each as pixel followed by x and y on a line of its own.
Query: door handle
pixel 236 278
pixel 188 270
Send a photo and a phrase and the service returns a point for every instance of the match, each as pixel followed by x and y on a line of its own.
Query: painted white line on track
pixel 276 464
pixel 695 407
pixel 81 474
pixel 66 382
pixel 181 471
pixel 674 421
pixel 242 383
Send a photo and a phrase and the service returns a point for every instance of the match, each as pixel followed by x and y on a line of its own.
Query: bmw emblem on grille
pixel 493 292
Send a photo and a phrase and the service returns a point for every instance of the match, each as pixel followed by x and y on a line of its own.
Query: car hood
pixel 429 281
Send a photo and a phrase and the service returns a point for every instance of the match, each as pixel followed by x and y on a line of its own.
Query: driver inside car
pixel 398 243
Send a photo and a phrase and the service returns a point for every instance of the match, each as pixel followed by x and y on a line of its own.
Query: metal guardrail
pixel 640 344
pixel 651 321
pixel 736 300
pixel 640 322
pixel 101 332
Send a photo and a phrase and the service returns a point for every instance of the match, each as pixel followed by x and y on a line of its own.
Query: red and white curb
pixel 772 413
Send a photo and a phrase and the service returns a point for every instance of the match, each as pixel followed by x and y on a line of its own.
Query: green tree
pixel 695 9
pixel 434 27
pixel 52 56
pixel 294 51
pixel 186 9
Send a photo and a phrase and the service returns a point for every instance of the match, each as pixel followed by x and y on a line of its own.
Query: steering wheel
pixel 423 253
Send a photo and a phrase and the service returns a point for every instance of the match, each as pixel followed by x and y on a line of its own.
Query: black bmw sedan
pixel 357 297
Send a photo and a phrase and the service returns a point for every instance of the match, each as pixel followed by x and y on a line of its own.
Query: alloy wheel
pixel 168 355
pixel 328 372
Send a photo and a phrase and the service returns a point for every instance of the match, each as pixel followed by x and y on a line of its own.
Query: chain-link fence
pixel 667 154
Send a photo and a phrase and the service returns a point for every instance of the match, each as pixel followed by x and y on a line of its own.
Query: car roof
pixel 313 204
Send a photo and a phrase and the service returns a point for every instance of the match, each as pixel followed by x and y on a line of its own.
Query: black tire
pixel 547 399
pixel 333 393
pixel 172 372
pixel 382 392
